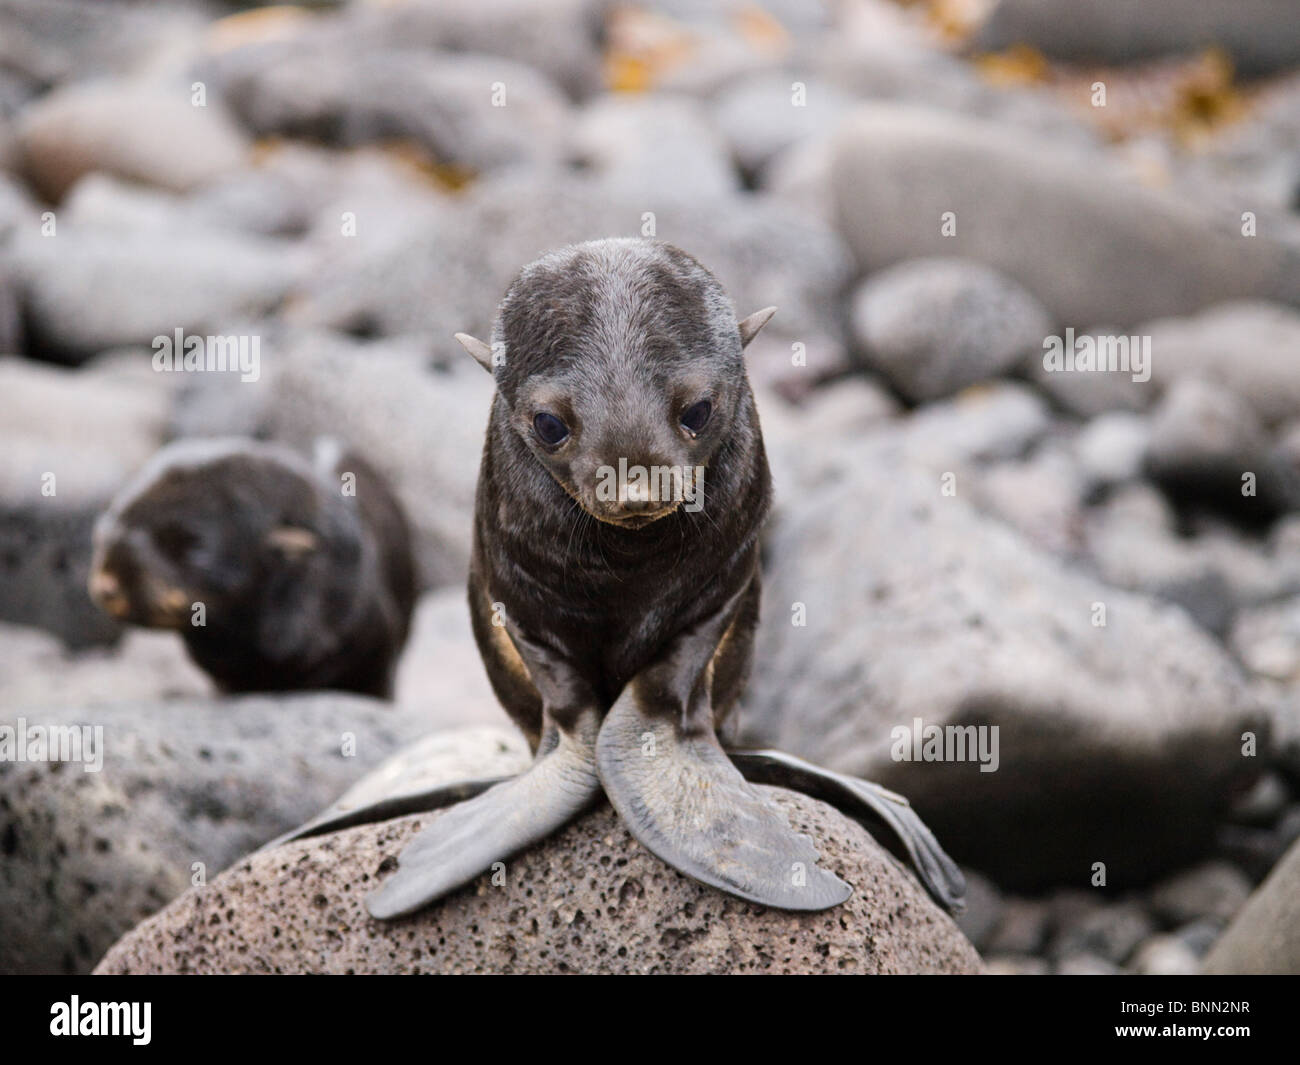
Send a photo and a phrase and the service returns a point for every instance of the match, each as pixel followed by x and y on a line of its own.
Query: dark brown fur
pixel 302 587
pixel 603 599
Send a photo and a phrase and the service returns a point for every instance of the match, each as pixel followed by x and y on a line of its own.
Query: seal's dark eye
pixel 697 417
pixel 174 540
pixel 550 430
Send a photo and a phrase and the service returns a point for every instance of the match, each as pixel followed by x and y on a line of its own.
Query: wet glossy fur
pixel 633 331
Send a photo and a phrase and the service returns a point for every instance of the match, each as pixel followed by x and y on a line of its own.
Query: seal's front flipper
pixel 857 797
pixel 338 817
pixel 686 803
pixel 467 839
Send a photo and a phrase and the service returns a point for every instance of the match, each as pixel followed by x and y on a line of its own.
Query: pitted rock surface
pixel 588 900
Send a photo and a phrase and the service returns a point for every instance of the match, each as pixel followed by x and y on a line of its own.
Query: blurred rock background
pixel 927 190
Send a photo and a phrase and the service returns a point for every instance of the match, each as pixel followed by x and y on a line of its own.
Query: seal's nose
pixel 106 590
pixel 636 511
pixel 635 498
pixel 635 482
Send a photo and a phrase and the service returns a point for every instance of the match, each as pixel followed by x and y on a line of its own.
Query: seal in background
pixel 274 573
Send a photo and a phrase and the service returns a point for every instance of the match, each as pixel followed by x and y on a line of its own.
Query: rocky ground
pixel 1105 566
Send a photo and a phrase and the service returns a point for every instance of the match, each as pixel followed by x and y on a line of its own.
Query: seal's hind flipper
pixel 857 797
pixel 686 803
pixel 337 818
pixel 466 840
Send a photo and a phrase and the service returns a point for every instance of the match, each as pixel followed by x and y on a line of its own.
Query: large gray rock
pixel 38 671
pixel 801 177
pixel 693 48
pixel 472 110
pixel 87 290
pixel 1254 846
pixel 1164 955
pixel 964 435
pixel 294 188
pixel 1134 543
pixel 1111 932
pixel 561 38
pixel 1256 159
pixel 1023 928
pixel 1267 639
pixel 878 52
pixel 652 146
pixel 1282 700
pixel 422 426
pixel 1089 393
pixel 767 114
pixel 1086 964
pixel 1213 891
pixel 143 132
pixel 881 51
pixel 1068 225
pixel 1041 496
pixel 13 208
pixel 995 422
pixel 934 326
pixel 259 201
pixel 90 854
pixel 588 900
pixel 448 275
pixel 1247 346
pixel 91 427
pixel 918 608
pixel 1110 448
pixel 420 422
pixel 1264 937
pixel 1258 34
pixel 1204 441
pixel 51 41
pixel 44 566
pixel 850 405
pixel 968 435
pixel 70 440
pixel 440 672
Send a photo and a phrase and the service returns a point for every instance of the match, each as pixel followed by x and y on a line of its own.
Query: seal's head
pixel 618 365
pixel 214 521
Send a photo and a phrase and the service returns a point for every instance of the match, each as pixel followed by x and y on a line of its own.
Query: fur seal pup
pixel 614 606
pixel 302 585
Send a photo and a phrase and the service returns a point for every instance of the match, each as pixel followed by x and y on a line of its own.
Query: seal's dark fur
pixel 621 337
pixel 302 586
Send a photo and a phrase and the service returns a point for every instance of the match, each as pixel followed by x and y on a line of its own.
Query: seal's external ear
pixel 750 327
pixel 291 541
pixel 482 352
